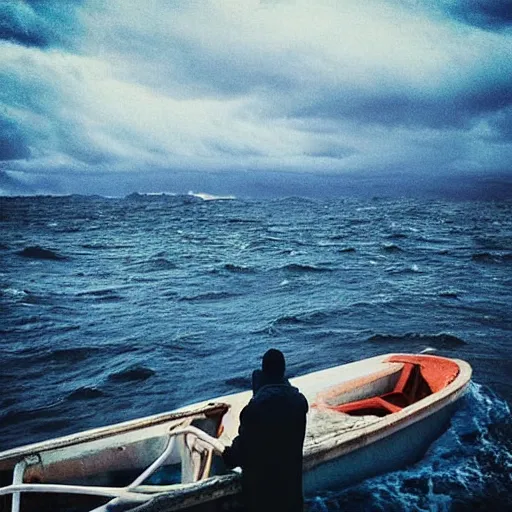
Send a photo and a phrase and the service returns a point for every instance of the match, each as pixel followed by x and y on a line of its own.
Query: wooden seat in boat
pixel 409 389
pixel 375 406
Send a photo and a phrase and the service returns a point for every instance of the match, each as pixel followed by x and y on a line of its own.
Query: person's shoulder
pixel 293 392
pixel 305 402
pixel 301 399
pixel 250 411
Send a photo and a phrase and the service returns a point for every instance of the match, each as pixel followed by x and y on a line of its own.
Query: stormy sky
pixel 248 97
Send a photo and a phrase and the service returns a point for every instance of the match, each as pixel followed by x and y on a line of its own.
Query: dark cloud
pixel 501 124
pixel 39 23
pixel 327 149
pixel 447 106
pixel 223 148
pixel 23 29
pixel 487 14
pixel 15 183
pixel 13 143
pixel 10 185
pixel 388 108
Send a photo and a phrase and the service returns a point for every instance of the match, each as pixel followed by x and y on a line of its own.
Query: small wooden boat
pixel 365 418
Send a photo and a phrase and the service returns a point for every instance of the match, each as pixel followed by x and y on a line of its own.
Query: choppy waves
pixel 132 374
pixel 441 340
pixel 117 308
pixel 489 257
pixel 40 253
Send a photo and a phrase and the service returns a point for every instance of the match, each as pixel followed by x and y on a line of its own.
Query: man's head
pixel 273 364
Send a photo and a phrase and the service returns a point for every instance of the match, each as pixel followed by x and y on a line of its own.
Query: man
pixel 270 440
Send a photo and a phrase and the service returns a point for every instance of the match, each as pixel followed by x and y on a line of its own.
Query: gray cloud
pixel 501 125
pixel 443 108
pixel 39 23
pixel 20 183
pixel 488 14
pixel 13 145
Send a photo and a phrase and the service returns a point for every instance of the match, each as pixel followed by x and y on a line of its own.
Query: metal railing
pixel 127 494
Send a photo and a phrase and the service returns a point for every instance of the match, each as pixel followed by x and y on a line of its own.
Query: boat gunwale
pixel 125 427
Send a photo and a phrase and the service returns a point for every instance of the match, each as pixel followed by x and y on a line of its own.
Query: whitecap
pixel 14 292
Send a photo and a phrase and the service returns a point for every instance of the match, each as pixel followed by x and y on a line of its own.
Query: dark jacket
pixel 269 447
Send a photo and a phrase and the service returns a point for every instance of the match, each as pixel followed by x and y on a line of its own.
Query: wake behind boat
pixel 366 418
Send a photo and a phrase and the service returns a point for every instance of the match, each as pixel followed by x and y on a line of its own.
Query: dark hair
pixel 273 363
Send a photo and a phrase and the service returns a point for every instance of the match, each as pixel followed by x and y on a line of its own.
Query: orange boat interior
pixel 420 377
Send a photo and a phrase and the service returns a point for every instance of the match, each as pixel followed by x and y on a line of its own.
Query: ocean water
pixel 113 309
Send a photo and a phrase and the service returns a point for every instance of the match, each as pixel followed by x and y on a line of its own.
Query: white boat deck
pixel 324 424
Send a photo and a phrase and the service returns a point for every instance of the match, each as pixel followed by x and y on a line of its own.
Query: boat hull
pixel 396 451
